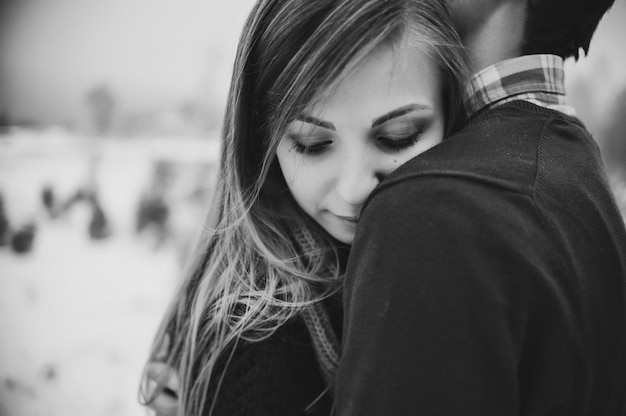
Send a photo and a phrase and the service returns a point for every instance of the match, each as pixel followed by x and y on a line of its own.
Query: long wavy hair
pixel 249 275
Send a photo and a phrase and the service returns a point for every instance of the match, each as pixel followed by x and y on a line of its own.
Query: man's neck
pixel 498 38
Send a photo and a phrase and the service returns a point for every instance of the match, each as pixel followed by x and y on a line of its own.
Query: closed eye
pixel 398 143
pixel 311 149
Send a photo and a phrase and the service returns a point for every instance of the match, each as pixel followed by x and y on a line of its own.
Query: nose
pixel 357 178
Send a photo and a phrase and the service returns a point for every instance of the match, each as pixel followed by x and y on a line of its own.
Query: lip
pixel 350 219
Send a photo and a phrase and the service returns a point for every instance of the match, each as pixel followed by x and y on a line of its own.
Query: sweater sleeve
pixel 441 284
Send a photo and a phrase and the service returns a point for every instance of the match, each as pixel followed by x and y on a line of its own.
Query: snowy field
pixel 77 315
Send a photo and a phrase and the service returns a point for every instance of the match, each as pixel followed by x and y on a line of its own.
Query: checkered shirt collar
pixel 536 78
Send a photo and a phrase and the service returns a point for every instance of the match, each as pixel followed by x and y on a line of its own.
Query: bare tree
pixel 102 105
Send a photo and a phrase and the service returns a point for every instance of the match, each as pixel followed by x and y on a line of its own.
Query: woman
pixel 327 98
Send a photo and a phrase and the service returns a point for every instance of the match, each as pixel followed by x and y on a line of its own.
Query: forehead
pixel 388 78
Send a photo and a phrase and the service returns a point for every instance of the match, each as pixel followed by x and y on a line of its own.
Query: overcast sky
pixel 151 52
pixel 158 53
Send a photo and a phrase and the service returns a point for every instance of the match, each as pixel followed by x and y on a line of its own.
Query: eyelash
pixel 400 144
pixel 391 144
pixel 312 150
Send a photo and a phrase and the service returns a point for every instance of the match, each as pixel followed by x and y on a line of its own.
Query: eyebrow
pixel 321 123
pixel 398 112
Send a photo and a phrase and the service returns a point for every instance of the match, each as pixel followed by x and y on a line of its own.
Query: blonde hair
pixel 250 274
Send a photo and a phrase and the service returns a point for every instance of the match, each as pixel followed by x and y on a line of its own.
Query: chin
pixel 341 234
pixel 346 238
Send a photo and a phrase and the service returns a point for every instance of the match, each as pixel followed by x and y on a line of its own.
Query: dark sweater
pixel 487 277
pixel 279 376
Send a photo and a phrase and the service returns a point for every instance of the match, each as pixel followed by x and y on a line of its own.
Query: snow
pixel 77 315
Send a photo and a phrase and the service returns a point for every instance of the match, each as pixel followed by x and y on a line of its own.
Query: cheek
pixel 290 165
pixel 302 178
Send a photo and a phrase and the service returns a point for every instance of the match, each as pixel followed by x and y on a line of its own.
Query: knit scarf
pixel 325 342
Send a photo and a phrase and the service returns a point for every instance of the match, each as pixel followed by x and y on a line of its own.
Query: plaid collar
pixel 535 78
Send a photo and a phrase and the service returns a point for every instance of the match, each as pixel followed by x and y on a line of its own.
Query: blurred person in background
pixel 487 275
pixel 4 223
pixel 327 99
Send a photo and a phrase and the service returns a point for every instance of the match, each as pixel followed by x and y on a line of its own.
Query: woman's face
pixel 381 115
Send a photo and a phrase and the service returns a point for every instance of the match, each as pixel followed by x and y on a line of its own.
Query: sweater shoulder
pixel 278 376
pixel 514 147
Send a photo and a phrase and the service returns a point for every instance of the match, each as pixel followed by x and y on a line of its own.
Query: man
pixel 487 276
